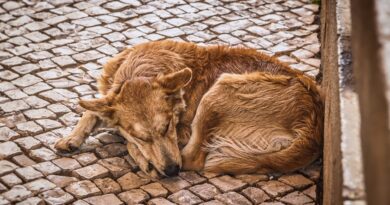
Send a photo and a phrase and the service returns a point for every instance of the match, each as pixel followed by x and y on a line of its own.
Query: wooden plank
pixel 332 173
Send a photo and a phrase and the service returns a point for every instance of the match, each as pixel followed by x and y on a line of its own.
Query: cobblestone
pixel 63 61
pixel 87 56
pixel 31 201
pixel 297 180
pixel 155 190
pixel 30 127
pixel 14 61
pixel 51 54
pixel 131 181
pixel 192 177
pixel 116 166
pixel 36 88
pixel 67 164
pixel 28 173
pixel 39 185
pixel 26 80
pixel 296 198
pixel 3 188
pixel 17 193
pixel 58 108
pixel 82 189
pixel 184 197
pixel 232 198
pixel 11 121
pixel 256 195
pixel 47 168
pixel 23 160
pixel 174 184
pixel 104 199
pixel 9 149
pixel 91 172
pixel 8 75
pixel 159 201
pixel 205 191
pixel 48 124
pixel 213 202
pixel 57 196
pixel 107 185
pixel 11 180
pixel 13 106
pixel 7 167
pixel 227 183
pixel 134 196
pixel 61 181
pixel 7 134
pixel 86 158
pixel 311 192
pixel 36 102
pixel 42 154
pixel 276 188
pixel 252 179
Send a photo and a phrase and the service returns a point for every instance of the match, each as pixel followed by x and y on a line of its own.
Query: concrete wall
pixel 371 56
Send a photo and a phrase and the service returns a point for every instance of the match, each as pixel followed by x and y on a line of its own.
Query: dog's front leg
pixel 193 156
pixel 141 161
pixel 79 133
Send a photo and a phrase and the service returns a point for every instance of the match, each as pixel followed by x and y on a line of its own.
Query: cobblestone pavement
pixel 50 55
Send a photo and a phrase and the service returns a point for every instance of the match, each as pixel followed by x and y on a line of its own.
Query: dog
pixel 221 109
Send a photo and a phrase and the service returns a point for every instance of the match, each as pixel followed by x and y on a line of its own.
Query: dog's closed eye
pixel 144 139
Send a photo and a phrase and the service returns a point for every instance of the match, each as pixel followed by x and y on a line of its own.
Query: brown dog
pixel 234 109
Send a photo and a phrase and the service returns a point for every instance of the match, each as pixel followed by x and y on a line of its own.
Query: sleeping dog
pixel 216 108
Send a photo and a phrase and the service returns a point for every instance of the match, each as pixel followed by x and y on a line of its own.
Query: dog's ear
pixel 102 105
pixel 174 81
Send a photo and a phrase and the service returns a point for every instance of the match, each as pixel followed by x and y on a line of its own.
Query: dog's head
pixel 146 111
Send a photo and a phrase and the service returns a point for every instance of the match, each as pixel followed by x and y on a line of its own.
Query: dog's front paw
pixel 188 161
pixel 69 143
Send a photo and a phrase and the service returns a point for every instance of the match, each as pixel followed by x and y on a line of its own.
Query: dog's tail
pixel 288 151
pixel 109 69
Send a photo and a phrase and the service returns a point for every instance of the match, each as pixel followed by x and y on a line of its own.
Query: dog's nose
pixel 172 170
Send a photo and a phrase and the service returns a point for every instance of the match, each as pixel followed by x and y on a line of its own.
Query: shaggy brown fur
pixel 235 109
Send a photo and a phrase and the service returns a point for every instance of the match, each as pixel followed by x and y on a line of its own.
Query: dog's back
pixel 207 63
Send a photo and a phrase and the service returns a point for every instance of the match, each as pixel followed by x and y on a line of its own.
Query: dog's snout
pixel 172 170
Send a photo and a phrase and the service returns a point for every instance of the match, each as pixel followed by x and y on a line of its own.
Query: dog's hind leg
pixel 79 133
pixel 250 154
